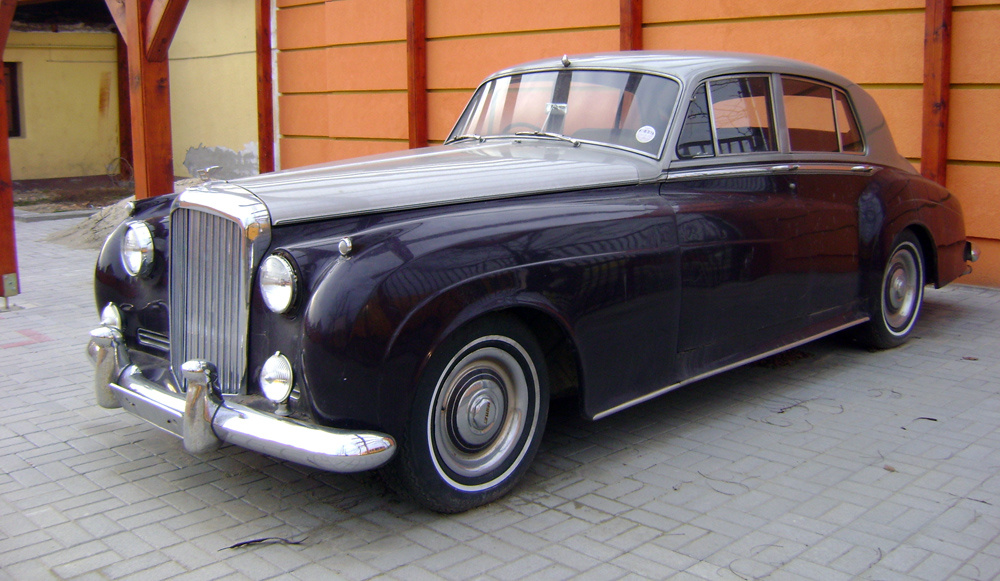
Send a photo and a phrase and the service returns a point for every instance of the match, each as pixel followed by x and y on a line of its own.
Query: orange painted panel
pixel 360 21
pixel 347 149
pixel 903 111
pixel 974 125
pixel 461 17
pixel 978 189
pixel 302 71
pixel 683 10
pixel 301 27
pixel 975 51
pixel 304 115
pixel 985 271
pixel 375 67
pixel 369 115
pixel 880 48
pixel 443 112
pixel 462 63
pixel 287 3
pixel 298 152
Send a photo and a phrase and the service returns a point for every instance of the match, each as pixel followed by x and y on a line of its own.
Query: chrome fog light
pixel 111 316
pixel 277 283
pixel 276 378
pixel 137 249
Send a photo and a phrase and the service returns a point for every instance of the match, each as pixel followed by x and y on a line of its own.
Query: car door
pixel 743 285
pixel 829 180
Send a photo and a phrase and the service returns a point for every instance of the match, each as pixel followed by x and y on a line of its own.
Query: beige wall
pixel 69 94
pixel 69 103
pixel 213 79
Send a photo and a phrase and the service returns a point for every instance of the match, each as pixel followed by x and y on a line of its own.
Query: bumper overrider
pixel 204 420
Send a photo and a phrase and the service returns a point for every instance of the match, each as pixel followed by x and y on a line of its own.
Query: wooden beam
pixel 10 283
pixel 630 25
pixel 416 69
pixel 124 112
pixel 161 24
pixel 937 85
pixel 149 97
pixel 117 10
pixel 265 89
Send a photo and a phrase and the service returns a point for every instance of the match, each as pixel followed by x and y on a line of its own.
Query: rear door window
pixel 819 118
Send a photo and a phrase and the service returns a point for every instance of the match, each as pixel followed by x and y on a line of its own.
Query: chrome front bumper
pixel 203 419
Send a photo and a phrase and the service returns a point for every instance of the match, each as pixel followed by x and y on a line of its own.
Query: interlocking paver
pixel 842 464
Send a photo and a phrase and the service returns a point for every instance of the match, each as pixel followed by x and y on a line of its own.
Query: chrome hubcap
pixel 901 295
pixel 482 408
pixel 478 414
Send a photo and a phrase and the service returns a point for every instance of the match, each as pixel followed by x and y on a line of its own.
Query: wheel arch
pixel 928 249
pixel 428 326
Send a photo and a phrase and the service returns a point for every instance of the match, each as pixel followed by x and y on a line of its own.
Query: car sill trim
pixel 725 368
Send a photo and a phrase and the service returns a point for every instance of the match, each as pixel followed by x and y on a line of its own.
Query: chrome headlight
pixel 137 249
pixel 277 283
pixel 276 378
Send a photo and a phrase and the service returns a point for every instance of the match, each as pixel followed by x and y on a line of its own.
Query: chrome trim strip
pixel 725 368
pixel 721 172
pixel 153 339
pixel 790 168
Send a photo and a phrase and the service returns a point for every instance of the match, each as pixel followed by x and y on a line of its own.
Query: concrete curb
pixel 22 216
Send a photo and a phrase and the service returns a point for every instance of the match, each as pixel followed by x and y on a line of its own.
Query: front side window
pixel 630 110
pixel 740 119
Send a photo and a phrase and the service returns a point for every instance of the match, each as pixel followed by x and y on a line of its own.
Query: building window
pixel 13 101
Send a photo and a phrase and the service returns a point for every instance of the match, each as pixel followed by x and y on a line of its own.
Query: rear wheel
pixel 897 299
pixel 478 417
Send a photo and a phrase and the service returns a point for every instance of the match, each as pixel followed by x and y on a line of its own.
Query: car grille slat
pixel 209 310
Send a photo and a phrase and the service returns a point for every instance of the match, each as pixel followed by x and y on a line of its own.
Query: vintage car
pixel 605 227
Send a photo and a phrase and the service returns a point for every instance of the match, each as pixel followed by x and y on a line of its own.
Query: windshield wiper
pixel 560 136
pixel 465 136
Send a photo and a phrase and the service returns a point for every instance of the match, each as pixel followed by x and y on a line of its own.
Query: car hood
pixel 439 175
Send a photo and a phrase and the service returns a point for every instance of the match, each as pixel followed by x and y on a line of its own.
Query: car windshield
pixel 622 109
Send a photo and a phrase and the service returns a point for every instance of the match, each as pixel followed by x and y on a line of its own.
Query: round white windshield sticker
pixel 645 134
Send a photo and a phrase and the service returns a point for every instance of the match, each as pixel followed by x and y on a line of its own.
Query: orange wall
pixel 342 69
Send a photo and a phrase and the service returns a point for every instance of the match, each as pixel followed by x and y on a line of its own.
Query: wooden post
pixel 416 69
pixel 148 27
pixel 937 84
pixel 10 284
pixel 124 115
pixel 265 89
pixel 630 25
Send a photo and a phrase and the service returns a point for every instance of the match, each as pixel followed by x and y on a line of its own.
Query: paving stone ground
pixel 837 463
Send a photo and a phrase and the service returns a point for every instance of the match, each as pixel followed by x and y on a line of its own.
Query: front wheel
pixel 895 304
pixel 477 420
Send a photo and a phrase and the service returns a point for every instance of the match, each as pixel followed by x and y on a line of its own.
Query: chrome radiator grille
pixel 209 289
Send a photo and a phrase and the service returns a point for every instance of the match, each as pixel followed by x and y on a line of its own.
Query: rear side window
pixel 819 118
pixel 731 116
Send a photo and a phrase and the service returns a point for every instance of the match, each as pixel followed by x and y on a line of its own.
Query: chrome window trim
pixel 846 167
